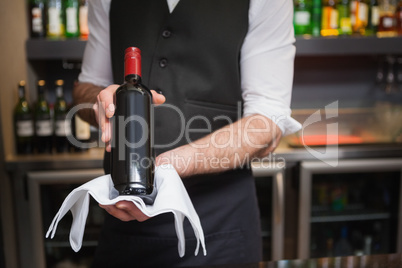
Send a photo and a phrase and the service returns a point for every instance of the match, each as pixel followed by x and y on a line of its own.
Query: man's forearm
pixel 254 136
pixel 86 93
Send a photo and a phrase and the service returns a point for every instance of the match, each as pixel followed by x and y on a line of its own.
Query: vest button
pixel 163 63
pixel 166 33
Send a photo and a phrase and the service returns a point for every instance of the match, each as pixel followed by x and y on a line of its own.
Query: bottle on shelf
pixel 342 246
pixel 373 18
pixel 83 19
pixel 82 133
pixel 62 126
pixel 132 157
pixel 344 23
pixel 316 17
pixel 387 23
pixel 43 122
pixel 71 13
pixel 23 123
pixel 329 19
pixel 37 18
pixel 398 18
pixel 359 16
pixel 302 17
pixel 55 25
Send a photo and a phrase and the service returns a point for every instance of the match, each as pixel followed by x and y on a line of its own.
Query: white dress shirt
pixel 266 60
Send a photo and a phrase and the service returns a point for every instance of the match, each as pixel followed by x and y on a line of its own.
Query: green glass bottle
pixel 71 15
pixel 316 18
pixel 62 126
pixel 23 123
pixel 302 17
pixel 344 24
pixel 43 122
pixel 373 18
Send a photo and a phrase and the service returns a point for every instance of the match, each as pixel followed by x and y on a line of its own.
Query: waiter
pixel 224 69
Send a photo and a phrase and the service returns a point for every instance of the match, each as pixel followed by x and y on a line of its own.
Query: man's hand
pixel 104 110
pixel 125 211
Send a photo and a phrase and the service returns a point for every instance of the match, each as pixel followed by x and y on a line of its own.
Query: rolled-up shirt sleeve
pixel 96 65
pixel 267 62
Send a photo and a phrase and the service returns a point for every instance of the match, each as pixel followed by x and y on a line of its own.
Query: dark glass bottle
pixel 43 122
pixel 62 126
pixel 23 123
pixel 37 18
pixel 132 154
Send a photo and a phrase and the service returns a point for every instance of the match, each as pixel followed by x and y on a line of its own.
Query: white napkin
pixel 171 197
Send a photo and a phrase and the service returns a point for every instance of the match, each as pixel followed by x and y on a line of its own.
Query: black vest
pixel 191 55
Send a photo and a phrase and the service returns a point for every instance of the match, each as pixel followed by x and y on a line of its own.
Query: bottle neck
pixel 21 92
pixel 133 79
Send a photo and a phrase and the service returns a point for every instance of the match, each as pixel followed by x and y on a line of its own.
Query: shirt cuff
pixel 280 117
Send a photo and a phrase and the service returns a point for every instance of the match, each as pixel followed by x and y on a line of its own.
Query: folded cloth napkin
pixel 172 197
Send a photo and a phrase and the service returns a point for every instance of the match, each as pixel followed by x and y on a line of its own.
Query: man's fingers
pixel 157 98
pixel 125 211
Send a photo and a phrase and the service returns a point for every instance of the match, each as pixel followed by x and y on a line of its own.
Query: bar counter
pixel 369 261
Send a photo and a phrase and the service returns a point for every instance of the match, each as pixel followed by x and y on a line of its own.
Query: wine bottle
pixel 43 122
pixel 132 157
pixel 83 19
pixel 55 26
pixel 62 126
pixel 71 13
pixel 36 18
pixel 23 123
pixel 82 133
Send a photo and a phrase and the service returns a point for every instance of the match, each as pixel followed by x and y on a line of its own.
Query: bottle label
pixel 363 12
pixel 25 128
pixel 345 25
pixel 54 21
pixel 302 18
pixel 71 20
pixel 388 22
pixel 44 128
pixel 37 20
pixel 62 128
pixel 375 15
pixel 82 129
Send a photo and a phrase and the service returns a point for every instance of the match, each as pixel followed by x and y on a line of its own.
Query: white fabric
pixel 171 197
pixel 267 57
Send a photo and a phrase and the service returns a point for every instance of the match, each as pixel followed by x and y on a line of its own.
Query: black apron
pixel 192 56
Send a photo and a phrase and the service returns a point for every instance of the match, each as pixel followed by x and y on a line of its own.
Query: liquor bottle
pixel 43 122
pixel 55 26
pixel 302 17
pixel 71 8
pixel 132 157
pixel 359 16
pixel 342 246
pixel 82 133
pixel 387 23
pixel 316 18
pixel 36 18
pixel 398 18
pixel 329 20
pixel 83 19
pixel 344 23
pixel 373 18
pixel 62 126
pixel 23 123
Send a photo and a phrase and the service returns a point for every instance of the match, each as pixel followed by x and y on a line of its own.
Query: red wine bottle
pixel 62 126
pixel 132 155
pixel 43 121
pixel 23 123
